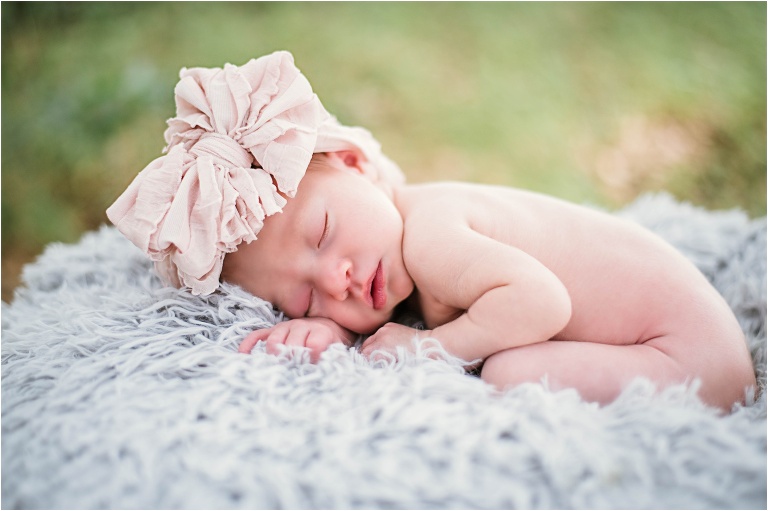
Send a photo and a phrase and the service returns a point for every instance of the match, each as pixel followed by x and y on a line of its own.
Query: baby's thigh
pixel 598 371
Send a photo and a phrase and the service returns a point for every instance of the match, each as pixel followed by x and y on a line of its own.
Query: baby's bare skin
pixel 609 287
pixel 531 285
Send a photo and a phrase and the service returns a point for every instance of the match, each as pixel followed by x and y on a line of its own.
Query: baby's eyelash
pixel 325 232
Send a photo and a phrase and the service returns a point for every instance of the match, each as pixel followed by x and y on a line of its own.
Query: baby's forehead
pixel 324 190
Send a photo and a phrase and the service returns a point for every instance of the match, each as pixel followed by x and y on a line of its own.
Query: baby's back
pixel 626 285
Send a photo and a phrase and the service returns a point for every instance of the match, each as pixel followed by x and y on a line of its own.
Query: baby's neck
pixel 408 312
pixel 402 196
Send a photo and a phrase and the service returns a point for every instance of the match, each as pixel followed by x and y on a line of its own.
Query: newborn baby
pixel 529 284
pixel 261 187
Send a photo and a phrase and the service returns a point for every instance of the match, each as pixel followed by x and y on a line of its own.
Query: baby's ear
pixel 355 162
pixel 348 159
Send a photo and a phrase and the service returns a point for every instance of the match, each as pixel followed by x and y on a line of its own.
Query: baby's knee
pixel 492 369
pixel 512 367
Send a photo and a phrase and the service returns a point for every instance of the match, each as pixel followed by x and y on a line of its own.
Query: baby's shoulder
pixel 432 209
pixel 437 202
pixel 436 210
pixel 436 221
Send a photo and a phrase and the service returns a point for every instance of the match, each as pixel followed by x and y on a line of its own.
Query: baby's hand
pixel 313 333
pixel 390 336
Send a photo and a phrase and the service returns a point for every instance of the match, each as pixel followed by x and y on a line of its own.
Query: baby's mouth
pixel 378 292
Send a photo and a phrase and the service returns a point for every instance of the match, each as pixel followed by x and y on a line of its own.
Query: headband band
pixel 242 139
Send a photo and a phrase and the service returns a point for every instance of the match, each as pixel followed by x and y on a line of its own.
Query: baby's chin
pixel 370 327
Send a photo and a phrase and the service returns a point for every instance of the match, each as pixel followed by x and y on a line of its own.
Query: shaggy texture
pixel 118 392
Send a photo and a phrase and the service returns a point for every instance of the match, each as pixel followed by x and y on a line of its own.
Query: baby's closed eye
pixel 324 234
pixel 310 294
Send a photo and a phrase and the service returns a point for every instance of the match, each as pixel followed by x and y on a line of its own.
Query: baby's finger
pixel 369 345
pixel 378 352
pixel 247 344
pixel 317 342
pixel 375 349
pixel 297 336
pixel 275 339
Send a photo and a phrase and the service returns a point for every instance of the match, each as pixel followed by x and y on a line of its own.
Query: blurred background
pixel 593 102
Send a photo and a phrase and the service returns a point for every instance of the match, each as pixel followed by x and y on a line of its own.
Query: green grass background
pixel 593 102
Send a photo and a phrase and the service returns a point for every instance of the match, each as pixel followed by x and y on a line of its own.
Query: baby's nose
pixel 338 278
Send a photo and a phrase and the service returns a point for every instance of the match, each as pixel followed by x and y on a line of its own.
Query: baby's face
pixel 335 252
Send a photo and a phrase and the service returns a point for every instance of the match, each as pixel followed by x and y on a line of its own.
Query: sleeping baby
pixel 262 188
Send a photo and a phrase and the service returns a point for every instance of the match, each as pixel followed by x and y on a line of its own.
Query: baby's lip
pixel 368 289
pixel 378 288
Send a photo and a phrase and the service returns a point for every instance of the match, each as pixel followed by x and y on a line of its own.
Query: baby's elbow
pixel 564 311
pixel 559 310
pixel 546 312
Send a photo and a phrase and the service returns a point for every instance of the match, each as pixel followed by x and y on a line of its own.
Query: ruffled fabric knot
pixel 225 151
pixel 239 145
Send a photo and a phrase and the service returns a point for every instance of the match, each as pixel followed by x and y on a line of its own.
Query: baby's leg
pixel 601 371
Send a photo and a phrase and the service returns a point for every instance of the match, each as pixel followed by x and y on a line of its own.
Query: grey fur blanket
pixel 118 392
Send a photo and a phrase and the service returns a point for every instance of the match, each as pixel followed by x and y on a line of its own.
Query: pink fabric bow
pixel 240 136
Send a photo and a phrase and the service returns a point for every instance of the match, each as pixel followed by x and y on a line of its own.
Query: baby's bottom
pixel 601 371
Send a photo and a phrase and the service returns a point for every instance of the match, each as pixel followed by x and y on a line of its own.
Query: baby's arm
pixel 509 298
pixel 313 333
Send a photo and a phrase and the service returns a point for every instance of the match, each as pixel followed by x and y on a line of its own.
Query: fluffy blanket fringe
pixel 118 392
